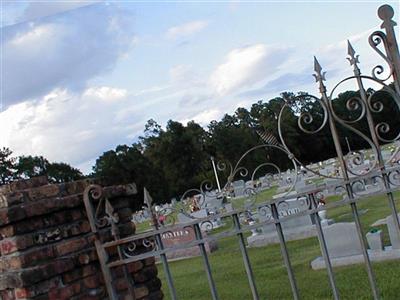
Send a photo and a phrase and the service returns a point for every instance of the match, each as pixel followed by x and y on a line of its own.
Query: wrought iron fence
pixel 383 174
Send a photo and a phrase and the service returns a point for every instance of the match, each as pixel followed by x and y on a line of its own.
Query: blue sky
pixel 80 77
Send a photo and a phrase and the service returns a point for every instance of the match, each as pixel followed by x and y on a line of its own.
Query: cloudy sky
pixel 80 77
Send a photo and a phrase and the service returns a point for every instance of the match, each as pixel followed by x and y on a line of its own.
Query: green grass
pixel 270 273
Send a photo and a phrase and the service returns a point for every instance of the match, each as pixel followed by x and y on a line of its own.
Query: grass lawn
pixel 271 276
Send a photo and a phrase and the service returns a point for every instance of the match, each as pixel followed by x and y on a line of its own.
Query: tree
pixel 127 164
pixel 62 172
pixel 7 166
pixel 31 166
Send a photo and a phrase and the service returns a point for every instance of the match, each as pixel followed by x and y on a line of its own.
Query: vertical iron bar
pixel 371 275
pixel 386 13
pixel 285 252
pixel 320 77
pixel 102 255
pixel 392 204
pixel 167 271
pixel 154 223
pixel 324 248
pixel 371 125
pixel 127 276
pixel 246 260
pixel 207 266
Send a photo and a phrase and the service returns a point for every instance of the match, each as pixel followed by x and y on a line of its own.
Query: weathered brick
pixel 40 207
pixel 71 245
pixel 134 266
pixel 26 259
pixel 41 222
pixel 65 292
pixel 149 261
pixel 154 284
pixel 145 274
pixel 120 190
pixel 7 295
pixel 93 281
pixel 38 289
pixel 141 291
pixel 157 295
pixel 79 273
pixel 24 184
pixel 11 214
pixel 10 199
pixel 48 249
pixel 45 191
pixel 30 276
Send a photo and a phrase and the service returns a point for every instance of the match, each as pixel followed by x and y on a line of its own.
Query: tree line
pixel 168 161
pixel 25 167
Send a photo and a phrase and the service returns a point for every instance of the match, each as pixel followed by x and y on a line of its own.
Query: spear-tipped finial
pixel 319 75
pixel 147 198
pixel 353 59
pixel 149 201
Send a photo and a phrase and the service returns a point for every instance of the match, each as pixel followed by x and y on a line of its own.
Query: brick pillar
pixel 47 249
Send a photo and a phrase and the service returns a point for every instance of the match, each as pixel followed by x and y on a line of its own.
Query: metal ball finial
pixel 385 12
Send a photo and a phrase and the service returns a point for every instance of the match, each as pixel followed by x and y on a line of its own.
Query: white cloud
pixel 105 93
pixel 204 117
pixel 62 52
pixel 246 66
pixel 185 30
pixel 69 127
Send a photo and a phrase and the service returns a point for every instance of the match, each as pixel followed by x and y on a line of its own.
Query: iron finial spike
pixel 317 66
pixel 319 76
pixel 353 59
pixel 350 49
pixel 147 197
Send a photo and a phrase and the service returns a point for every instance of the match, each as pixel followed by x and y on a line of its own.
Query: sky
pixel 79 78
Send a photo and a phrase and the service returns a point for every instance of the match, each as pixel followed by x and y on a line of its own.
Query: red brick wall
pixel 46 245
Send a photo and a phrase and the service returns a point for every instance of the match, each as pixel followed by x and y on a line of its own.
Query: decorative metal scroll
pixel 363 107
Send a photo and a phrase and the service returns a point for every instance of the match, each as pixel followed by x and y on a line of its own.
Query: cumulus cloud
pixel 204 117
pixel 186 29
pixel 285 82
pixel 246 66
pixel 106 93
pixel 62 52
pixel 64 126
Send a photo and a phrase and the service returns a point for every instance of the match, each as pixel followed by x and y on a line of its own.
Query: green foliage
pixel 30 166
pixel 7 168
pixel 25 167
pixel 169 161
pixel 62 172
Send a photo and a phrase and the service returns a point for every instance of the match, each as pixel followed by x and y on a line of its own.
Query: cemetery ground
pixel 270 273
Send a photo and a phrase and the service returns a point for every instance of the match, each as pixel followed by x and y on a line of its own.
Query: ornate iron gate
pixel 150 243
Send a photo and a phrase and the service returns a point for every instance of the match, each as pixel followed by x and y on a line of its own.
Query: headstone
pixel 332 186
pixel 214 204
pixel 200 214
pixel 182 218
pixel 344 247
pixel 180 237
pixel 394 237
pixel 342 240
pixel 295 228
pixel 228 207
pixel 238 188
pixel 386 155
